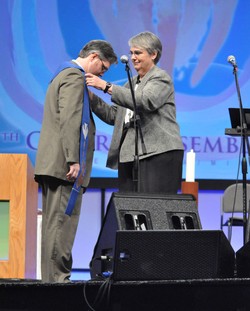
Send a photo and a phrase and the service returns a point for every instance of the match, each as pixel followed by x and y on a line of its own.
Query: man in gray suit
pixel 58 156
pixel 160 161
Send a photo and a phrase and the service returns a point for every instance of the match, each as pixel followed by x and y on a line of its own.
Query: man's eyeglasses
pixel 104 68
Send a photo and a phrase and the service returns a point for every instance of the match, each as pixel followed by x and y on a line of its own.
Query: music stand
pixel 235 118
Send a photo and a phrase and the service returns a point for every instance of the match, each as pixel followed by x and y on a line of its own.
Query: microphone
pixel 124 59
pixel 231 59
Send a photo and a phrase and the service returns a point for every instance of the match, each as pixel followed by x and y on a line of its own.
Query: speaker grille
pixel 164 255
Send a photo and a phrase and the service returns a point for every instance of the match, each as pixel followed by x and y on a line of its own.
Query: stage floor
pixel 171 295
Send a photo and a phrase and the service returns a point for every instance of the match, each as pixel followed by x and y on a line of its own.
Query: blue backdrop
pixel 197 37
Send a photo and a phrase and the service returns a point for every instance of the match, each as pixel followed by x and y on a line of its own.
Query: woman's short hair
pixel 148 41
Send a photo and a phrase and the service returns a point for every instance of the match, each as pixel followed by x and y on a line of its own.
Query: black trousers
pixel 160 173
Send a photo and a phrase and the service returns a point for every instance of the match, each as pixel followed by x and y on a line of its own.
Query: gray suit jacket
pixel 156 106
pixel 59 143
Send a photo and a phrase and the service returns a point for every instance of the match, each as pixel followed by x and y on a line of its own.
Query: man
pixel 58 156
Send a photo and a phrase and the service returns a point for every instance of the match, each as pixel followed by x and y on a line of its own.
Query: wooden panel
pixel 17 185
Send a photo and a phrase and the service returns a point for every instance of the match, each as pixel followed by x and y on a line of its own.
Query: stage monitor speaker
pixel 172 255
pixel 141 212
pixel 243 261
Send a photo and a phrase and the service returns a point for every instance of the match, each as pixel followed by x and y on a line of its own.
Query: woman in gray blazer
pixel 161 155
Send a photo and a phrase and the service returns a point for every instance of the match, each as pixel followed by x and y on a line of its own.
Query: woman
pixel 160 164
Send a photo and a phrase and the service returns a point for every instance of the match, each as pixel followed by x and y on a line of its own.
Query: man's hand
pixel 74 169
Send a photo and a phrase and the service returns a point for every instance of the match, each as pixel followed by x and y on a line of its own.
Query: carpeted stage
pixel 196 295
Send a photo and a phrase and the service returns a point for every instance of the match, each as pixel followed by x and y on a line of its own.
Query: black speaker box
pixel 172 255
pixel 243 261
pixel 141 212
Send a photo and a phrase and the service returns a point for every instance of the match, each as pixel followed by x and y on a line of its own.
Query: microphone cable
pixel 103 295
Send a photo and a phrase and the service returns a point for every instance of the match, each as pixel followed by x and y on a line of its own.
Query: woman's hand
pixel 95 81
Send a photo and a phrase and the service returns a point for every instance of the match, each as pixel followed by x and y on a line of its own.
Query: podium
pixel 20 192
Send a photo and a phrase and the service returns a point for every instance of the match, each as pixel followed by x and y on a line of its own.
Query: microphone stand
pixel 246 223
pixel 137 127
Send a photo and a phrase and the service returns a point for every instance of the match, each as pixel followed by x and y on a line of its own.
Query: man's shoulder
pixel 67 68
